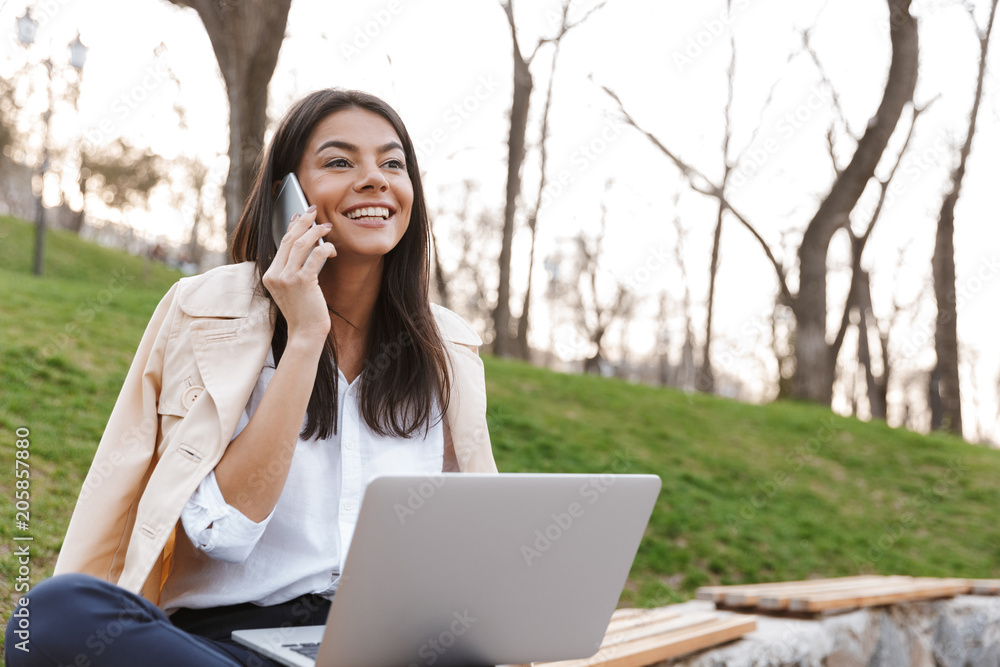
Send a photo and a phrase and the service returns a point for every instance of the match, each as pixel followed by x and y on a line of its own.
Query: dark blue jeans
pixel 83 621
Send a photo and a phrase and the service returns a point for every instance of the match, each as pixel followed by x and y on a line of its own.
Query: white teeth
pixel 369 212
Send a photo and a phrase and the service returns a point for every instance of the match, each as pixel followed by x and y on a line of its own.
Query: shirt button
pixel 349 444
pixel 348 505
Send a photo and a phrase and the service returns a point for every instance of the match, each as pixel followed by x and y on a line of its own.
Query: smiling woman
pixel 262 399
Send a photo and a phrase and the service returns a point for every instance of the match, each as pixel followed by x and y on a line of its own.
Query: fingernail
pixel 328 224
pixel 311 208
pixel 295 217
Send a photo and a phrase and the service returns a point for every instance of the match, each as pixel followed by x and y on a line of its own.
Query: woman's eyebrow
pixel 352 148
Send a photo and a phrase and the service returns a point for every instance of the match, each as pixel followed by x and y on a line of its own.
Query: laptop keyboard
pixel 308 649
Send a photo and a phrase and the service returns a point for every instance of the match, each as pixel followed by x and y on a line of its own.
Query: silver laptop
pixel 476 569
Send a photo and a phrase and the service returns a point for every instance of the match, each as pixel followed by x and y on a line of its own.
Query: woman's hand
pixel 292 278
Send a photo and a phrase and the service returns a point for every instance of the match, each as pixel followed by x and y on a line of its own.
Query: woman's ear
pixel 274 188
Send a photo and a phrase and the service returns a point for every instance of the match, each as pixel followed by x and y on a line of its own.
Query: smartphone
pixel 289 201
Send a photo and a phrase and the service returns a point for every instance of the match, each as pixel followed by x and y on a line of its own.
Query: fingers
pixel 297 225
pixel 306 244
pixel 318 255
pixel 299 246
pixel 300 239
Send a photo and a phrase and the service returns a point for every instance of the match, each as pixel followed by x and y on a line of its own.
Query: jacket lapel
pixel 231 333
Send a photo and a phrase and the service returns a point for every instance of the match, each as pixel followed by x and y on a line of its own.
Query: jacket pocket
pixel 189 452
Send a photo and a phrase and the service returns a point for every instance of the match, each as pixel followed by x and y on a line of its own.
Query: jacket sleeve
pixel 122 462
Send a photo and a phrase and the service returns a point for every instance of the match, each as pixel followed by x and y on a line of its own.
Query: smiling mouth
pixel 369 214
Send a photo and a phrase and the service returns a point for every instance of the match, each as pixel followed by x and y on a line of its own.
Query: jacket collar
pixel 228 291
pixel 235 291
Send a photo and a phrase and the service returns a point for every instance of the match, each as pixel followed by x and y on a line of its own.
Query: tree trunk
pixel 706 377
pixel 246 37
pixel 949 414
pixel 876 388
pixel 523 349
pixel 813 367
pixel 194 249
pixel 515 158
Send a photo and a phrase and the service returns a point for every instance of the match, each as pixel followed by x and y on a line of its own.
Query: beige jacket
pixel 190 380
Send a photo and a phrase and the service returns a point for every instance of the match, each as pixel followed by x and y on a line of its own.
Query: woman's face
pixel 354 171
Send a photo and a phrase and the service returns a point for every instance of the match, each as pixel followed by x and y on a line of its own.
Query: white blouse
pixel 225 558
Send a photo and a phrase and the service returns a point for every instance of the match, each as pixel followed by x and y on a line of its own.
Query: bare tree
pixel 523 84
pixel 522 346
pixel 687 372
pixel 814 363
pixel 596 314
pixel 246 37
pixel 814 368
pixel 706 376
pixel 440 282
pixel 465 287
pixel 859 301
pixel 662 350
pixel 194 197
pixel 946 401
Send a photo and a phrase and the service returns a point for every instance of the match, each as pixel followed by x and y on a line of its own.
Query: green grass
pixel 750 493
pixel 756 493
pixel 67 340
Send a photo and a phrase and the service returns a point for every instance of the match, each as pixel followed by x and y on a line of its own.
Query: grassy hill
pixel 750 493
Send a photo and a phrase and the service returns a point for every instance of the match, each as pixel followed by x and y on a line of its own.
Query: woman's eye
pixel 338 162
pixel 395 164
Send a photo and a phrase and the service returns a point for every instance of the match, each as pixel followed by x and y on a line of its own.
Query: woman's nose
pixel 371 177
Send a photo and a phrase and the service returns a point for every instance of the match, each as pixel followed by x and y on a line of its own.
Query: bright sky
pixel 446 66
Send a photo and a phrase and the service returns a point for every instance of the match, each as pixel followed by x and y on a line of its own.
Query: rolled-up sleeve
pixel 216 527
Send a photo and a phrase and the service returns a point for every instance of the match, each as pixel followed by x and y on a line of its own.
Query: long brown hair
pixel 405 367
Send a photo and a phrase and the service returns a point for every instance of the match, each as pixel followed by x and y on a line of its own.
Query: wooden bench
pixel 835 595
pixel 640 637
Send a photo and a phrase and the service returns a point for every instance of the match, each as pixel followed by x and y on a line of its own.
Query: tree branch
pixel 711 189
pixel 564 27
pixel 807 47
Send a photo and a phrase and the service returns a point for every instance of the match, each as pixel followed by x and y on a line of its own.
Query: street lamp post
pixel 27 27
